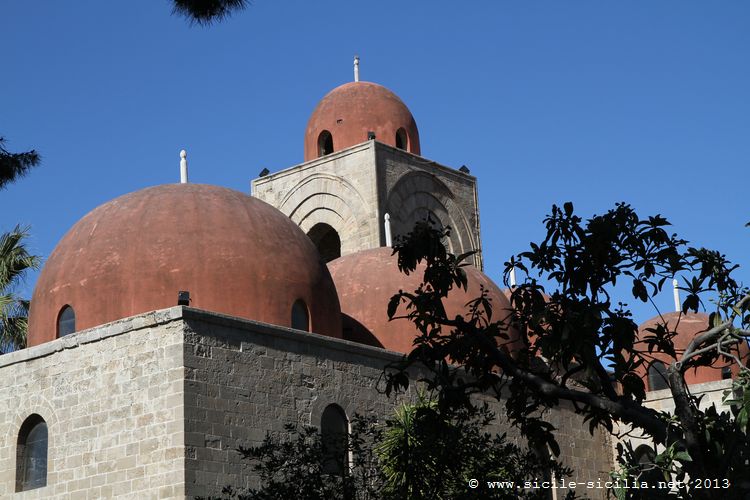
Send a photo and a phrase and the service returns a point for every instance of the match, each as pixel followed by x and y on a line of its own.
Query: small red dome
pixel 688 326
pixel 367 280
pixel 344 117
pixel 235 255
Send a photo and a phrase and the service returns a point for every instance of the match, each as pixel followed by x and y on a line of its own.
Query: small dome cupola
pixel 686 326
pixel 366 281
pixel 352 113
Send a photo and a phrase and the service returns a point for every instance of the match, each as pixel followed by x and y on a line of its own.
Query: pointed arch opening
pixel 326 240
pixel 31 454
pixel 334 431
pixel 657 376
pixel 66 321
pixel 402 140
pixel 300 316
pixel 325 143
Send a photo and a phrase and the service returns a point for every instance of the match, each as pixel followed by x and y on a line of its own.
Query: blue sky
pixel 546 101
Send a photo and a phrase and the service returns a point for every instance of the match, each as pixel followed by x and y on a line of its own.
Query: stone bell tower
pixel 363 177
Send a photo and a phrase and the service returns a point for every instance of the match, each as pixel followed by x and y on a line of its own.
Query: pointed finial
pixel 183 167
pixel 513 277
pixel 388 238
pixel 356 68
pixel 677 304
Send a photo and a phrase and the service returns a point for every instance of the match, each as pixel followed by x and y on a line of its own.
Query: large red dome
pixel 367 280
pixel 235 255
pixel 347 113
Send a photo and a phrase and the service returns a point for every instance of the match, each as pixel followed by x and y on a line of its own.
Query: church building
pixel 173 324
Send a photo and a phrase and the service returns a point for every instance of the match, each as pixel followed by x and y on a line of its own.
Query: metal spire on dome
pixel 183 167
pixel 388 238
pixel 356 68
pixel 513 277
pixel 677 304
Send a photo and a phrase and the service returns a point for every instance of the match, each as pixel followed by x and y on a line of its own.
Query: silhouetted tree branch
pixel 15 165
pixel 576 340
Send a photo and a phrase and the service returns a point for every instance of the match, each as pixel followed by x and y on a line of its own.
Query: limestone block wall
pixel 155 406
pixel 246 379
pixel 112 398
pixel 711 393
pixel 588 455
pixel 338 189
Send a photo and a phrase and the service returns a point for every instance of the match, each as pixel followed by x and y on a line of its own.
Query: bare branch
pixel 701 339
pixel 645 418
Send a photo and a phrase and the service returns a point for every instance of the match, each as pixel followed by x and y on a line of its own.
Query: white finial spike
pixel 513 277
pixel 356 68
pixel 677 304
pixel 388 239
pixel 183 167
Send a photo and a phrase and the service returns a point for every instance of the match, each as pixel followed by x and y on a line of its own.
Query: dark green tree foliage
pixel 15 165
pixel 427 453
pixel 587 340
pixel 291 466
pixel 420 454
pixel 205 12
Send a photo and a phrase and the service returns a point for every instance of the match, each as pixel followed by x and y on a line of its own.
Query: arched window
pixel 402 141
pixel 326 240
pixel 644 454
pixel 325 143
pixel 31 454
pixel 66 321
pixel 334 432
pixel 645 457
pixel 657 376
pixel 300 316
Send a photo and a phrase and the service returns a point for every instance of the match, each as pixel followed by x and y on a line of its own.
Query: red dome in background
pixel 367 280
pixel 235 254
pixel 688 326
pixel 352 110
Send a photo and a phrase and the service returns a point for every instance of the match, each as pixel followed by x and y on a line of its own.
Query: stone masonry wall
pixel 710 394
pixel 588 455
pixel 112 398
pixel 155 406
pixel 245 379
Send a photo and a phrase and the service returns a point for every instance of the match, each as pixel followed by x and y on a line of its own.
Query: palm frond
pixel 205 12
pixel 15 261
